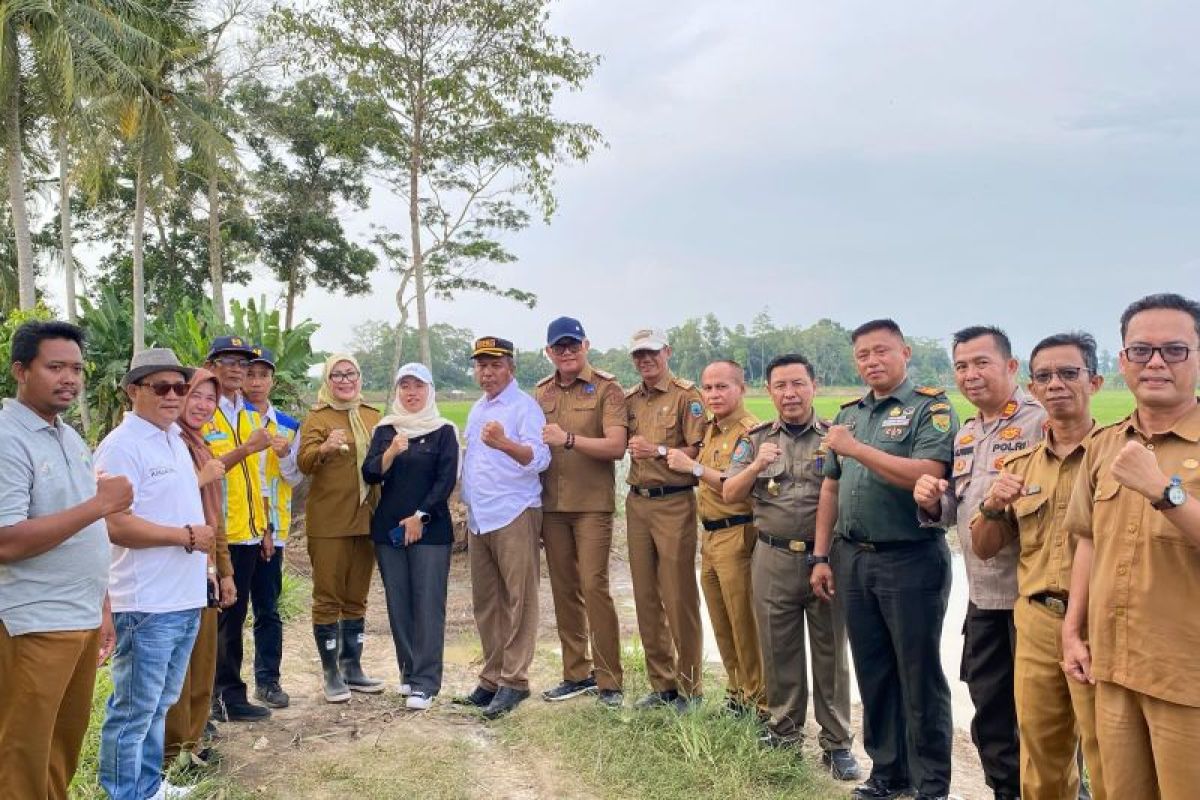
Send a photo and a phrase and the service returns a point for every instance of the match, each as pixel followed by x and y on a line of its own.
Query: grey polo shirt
pixel 45 469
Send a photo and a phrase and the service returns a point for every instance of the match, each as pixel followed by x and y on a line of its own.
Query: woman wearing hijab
pixel 333 445
pixel 187 719
pixel 414 455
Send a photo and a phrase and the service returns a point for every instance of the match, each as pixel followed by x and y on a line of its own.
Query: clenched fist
pixel 641 447
pixel 258 440
pixel 1003 491
pixel 336 440
pixel 114 493
pixel 768 454
pixel 281 446
pixel 928 493
pixel 1135 467
pixel 554 435
pixel 205 536
pixel 398 445
pixel 840 440
pixel 493 434
pixel 213 470
pixel 679 461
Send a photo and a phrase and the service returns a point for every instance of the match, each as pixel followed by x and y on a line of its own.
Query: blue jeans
pixel 148 667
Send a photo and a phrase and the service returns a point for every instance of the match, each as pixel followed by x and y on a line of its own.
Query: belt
pixel 658 491
pixel 1055 602
pixel 727 522
pixel 882 547
pixel 794 545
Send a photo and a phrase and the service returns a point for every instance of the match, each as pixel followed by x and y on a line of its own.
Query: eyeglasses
pixel 1171 353
pixel 561 349
pixel 163 389
pixel 1065 374
pixel 343 377
pixel 232 361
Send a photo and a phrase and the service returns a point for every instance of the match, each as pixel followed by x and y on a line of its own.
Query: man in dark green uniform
pixel 892 575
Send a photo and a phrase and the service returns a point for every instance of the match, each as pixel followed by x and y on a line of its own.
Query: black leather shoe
pixel 239 711
pixel 480 698
pixel 656 700
pixel 568 689
pixel 879 789
pixel 506 700
pixel 272 695
pixel 611 698
pixel 842 765
pixel 684 705
pixel 1007 796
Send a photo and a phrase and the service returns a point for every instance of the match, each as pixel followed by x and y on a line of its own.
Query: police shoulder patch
pixel 545 380
pixel 853 402
pixel 930 391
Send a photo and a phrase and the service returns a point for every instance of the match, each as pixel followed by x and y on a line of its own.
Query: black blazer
pixel 422 477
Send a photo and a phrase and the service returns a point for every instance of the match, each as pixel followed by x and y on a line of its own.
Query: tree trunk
pixel 215 271
pixel 68 259
pixel 26 291
pixel 418 258
pixel 139 277
pixel 401 326
pixel 291 297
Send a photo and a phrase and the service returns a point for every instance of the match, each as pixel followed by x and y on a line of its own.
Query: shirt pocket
pixel 895 439
pixel 666 427
pixel 1029 510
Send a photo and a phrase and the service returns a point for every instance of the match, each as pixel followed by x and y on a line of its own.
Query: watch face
pixel 1176 496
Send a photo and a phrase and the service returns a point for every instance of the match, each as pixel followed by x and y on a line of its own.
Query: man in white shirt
pixel 503 494
pixel 158 575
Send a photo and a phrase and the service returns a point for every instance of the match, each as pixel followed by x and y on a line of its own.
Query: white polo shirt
pixel 166 492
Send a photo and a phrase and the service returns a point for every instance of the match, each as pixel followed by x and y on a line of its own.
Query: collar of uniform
pixel 1186 427
pixel 1084 443
pixel 231 407
pixel 27 416
pixel 728 422
pixel 902 393
pixel 778 425
pixel 584 375
pixel 663 384
pixel 506 394
pixel 145 427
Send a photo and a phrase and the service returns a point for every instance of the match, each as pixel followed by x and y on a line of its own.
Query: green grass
pixel 702 755
pixel 1108 406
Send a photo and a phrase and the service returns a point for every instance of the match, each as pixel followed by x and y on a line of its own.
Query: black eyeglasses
pixel 232 361
pixel 562 348
pixel 1171 353
pixel 163 389
pixel 1065 374
pixel 343 377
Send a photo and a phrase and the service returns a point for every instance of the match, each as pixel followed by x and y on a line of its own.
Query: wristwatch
pixel 1173 496
pixel 987 513
pixel 423 517
pixel 662 451
pixel 698 469
pixel 814 559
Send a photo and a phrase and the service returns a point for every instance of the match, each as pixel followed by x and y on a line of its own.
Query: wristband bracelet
pixel 191 545
pixel 570 441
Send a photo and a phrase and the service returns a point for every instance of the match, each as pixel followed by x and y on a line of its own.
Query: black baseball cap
pixel 229 344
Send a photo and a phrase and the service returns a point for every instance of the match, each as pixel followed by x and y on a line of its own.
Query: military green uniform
pixel 893 583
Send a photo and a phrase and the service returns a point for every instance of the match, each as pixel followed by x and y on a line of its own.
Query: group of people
pixel 1081 543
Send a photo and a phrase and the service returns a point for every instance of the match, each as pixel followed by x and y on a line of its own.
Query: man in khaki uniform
pixel 1009 421
pixel 779 466
pixel 728 538
pixel 585 428
pixel 1136 511
pixel 664 412
pixel 1027 505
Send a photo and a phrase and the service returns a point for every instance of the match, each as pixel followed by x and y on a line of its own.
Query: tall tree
pixel 311 155
pixel 464 131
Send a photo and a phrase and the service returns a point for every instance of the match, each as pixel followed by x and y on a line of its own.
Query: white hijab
pixel 410 424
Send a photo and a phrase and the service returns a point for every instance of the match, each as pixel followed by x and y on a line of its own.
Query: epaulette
pixel 853 402
pixel 682 383
pixel 761 426
pixel 544 380
pixel 608 376
pixel 1121 421
pixel 1017 456
pixel 929 391
pixel 822 424
pixel 749 423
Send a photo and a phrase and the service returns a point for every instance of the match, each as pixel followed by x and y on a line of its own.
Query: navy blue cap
pixel 229 344
pixel 565 328
pixel 262 356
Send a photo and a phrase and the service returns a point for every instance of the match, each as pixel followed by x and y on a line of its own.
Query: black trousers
pixel 259 584
pixel 895 603
pixel 989 649
pixel 414 581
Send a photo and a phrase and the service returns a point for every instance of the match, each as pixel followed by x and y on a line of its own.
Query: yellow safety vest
pixel 243 483
pixel 278 490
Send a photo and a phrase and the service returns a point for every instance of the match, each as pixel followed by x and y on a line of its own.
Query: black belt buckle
pixel 779 543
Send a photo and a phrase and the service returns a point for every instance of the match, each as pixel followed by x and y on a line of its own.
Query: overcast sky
pixel 1031 165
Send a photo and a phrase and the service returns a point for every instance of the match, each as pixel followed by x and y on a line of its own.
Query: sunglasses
pixel 562 348
pixel 164 389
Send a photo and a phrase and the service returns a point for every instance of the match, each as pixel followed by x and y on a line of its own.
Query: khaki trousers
pixel 662 562
pixel 1055 714
pixel 1150 747
pixel 577 550
pixel 46 682
pixel 341 576
pixel 186 719
pixel 505 573
pixel 725 581
pixel 783 602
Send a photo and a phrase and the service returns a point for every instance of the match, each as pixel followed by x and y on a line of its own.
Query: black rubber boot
pixel 327 646
pixel 349 659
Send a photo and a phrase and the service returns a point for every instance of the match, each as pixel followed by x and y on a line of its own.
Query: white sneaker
pixel 170 791
pixel 418 701
pixel 404 689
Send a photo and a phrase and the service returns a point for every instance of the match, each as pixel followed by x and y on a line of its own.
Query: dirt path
pixel 374 748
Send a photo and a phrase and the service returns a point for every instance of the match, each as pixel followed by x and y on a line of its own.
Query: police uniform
pixel 1142 626
pixel 1056 715
pixel 660 514
pixel 989 636
pixel 893 582
pixel 728 541
pixel 785 498
pixel 578 498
